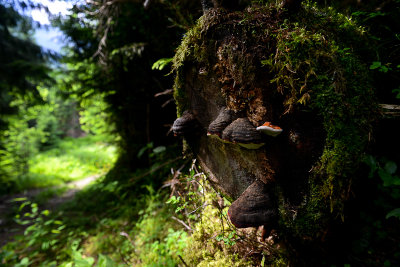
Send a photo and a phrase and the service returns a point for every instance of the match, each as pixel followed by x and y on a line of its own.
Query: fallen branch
pixel 166 92
pixel 184 263
pixel 390 110
pixel 183 223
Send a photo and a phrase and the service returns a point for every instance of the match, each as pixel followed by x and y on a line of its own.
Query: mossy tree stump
pixel 300 72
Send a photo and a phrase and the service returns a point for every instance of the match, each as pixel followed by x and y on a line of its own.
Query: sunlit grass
pixel 73 159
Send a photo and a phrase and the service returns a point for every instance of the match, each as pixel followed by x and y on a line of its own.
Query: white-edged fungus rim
pixel 269 130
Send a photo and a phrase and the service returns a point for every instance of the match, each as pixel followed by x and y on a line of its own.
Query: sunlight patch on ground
pixel 73 160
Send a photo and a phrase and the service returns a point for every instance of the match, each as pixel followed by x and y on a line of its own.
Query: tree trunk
pixel 277 116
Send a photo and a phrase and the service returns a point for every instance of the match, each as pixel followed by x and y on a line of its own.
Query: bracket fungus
pixel 269 129
pixel 224 118
pixel 254 207
pixel 185 124
pixel 243 133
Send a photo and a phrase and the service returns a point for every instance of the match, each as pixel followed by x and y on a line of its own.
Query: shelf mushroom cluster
pixel 229 128
pixel 232 129
pixel 255 206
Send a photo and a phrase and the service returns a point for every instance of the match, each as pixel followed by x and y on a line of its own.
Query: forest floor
pixel 9 204
pixel 54 177
pixel 120 219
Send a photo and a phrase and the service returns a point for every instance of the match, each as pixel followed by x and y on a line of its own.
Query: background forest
pixel 104 107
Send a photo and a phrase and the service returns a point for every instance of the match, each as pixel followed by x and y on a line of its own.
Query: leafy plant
pixel 386 170
pixel 397 92
pixel 376 65
pixel 394 213
pixel 41 234
pixel 213 240
pixel 161 63
pixel 229 239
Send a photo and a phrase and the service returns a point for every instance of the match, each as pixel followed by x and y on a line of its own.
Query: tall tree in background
pixel 115 46
pixel 22 64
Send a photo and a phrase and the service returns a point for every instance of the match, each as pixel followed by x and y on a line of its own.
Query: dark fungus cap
pixel 242 132
pixel 255 207
pixel 185 124
pixel 224 118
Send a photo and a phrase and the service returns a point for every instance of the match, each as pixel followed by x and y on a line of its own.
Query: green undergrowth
pixel 316 61
pixel 120 220
pixel 140 237
pixel 111 223
pixel 212 239
pixel 134 236
pixel 72 159
pixel 129 223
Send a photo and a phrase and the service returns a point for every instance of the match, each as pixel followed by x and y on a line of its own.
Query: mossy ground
pixel 213 240
pixel 311 60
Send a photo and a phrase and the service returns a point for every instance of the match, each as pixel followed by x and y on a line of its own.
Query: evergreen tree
pixel 114 48
pixel 22 65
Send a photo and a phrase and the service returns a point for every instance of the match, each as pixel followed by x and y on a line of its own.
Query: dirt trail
pixel 8 228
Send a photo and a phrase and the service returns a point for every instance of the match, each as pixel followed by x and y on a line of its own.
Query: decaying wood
pixel 390 110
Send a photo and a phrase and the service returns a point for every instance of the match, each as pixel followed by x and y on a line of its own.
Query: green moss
pixel 214 241
pixel 316 66
pixel 190 50
pixel 204 249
